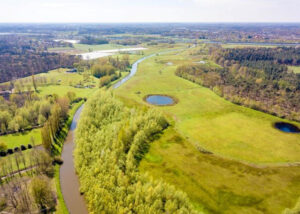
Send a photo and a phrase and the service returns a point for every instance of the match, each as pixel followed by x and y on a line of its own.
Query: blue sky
pixel 149 10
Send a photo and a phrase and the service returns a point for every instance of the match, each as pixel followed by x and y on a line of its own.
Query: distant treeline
pixel 111 141
pixel 250 56
pixel 230 32
pixel 21 57
pixel 258 78
pixel 89 40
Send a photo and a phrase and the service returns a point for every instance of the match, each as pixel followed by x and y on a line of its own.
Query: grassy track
pixel 219 183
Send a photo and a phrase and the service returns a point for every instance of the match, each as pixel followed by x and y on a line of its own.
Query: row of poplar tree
pixel 111 139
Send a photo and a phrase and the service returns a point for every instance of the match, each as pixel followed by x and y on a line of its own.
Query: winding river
pixel 68 179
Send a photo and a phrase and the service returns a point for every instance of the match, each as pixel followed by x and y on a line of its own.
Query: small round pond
pixel 287 127
pixel 160 100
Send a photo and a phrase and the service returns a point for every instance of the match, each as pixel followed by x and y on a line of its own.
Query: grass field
pixel 208 120
pixel 60 82
pixel 219 185
pixel 248 46
pixel 18 139
pixel 83 48
pixel 295 69
pixel 244 175
pixel 65 82
pixel 87 48
pixel 62 90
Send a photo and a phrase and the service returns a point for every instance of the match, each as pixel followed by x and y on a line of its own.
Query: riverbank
pixel 61 207
pixel 68 185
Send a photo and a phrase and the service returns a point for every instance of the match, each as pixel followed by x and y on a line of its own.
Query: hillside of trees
pixel 111 140
pixel 258 78
pixel 21 57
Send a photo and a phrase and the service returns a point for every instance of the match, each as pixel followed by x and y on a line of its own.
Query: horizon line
pixel 162 22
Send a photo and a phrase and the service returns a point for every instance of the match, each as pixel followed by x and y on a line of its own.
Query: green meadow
pixel 209 121
pixel 295 69
pixel 227 158
pixel 219 185
pixel 82 48
pixel 87 48
pixel 24 138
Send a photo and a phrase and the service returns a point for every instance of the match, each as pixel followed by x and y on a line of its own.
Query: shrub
pixel 45 164
pixel 23 147
pixel 10 151
pixel 2 153
pixel 58 160
pixel 16 149
pixel 42 193
pixel 77 100
pixel 3 146
pixel 29 146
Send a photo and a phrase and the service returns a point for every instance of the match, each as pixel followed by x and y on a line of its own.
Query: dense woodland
pixel 26 111
pixel 255 77
pixel 109 69
pixel 21 57
pixel 23 112
pixel 111 141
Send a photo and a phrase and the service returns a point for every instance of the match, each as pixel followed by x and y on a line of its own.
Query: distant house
pixel 74 70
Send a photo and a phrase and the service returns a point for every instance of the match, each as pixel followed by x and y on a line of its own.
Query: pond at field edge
pixel 287 127
pixel 160 100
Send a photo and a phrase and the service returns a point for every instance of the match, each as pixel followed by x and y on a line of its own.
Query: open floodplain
pixel 227 158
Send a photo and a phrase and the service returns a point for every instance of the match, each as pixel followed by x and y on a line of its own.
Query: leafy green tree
pixel 111 141
pixel 5 118
pixel 45 109
pixel 46 137
pixel 71 96
pixel 3 146
pixel 42 193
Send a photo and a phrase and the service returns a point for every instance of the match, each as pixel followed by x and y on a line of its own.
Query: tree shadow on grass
pixel 59 142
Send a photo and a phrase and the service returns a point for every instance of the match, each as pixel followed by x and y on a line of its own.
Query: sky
pixel 103 11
